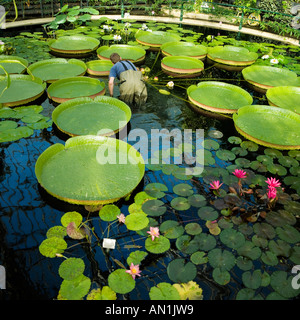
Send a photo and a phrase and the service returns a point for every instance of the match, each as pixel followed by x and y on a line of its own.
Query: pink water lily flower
pixel 272 182
pixel 271 193
pixel 121 218
pixel 154 232
pixel 215 185
pixel 134 270
pixel 239 173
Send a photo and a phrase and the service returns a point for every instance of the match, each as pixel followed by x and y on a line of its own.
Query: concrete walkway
pixel 201 20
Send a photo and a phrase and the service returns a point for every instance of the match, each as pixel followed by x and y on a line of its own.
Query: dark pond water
pixel 27 211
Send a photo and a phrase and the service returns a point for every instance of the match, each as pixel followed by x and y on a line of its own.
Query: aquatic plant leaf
pixel 75 289
pixel 72 216
pixel 156 189
pixel 136 221
pixel 51 246
pixel 171 229
pixel 264 230
pixel 179 271
pixel 141 197
pixel 249 145
pixel 280 218
pixel 288 162
pixel 193 228
pixel 7 124
pixel 234 140
pixel 186 245
pixel 269 258
pixel 106 293
pixel 197 200
pixel 136 257
pixel 189 291
pixel 222 259
pixel 154 208
pixel 232 238
pixel 249 250
pixel 6 112
pixel 244 263
pixel 158 245
pixel 198 257
pixel 248 294
pixel 295 255
pixel 288 234
pixel 259 242
pixel 226 155
pixel 221 276
pixel 120 281
pixel 208 213
pixel 205 241
pixel 210 144
pixel 277 169
pixel 215 134
pixel 71 268
pixel 164 291
pixel 253 279
pixel 109 212
pixel 74 232
pixel 282 283
pixel 280 248
pixel 180 203
pixel 56 231
pixel 183 189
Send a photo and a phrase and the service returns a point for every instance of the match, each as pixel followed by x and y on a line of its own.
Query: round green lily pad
pixel 208 213
pixel 206 241
pixel 181 272
pixel 193 228
pixel 13 64
pixel 136 221
pixel 281 282
pixel 232 238
pixel 71 268
pixel 75 87
pixel 51 70
pixel 164 291
pixel 286 97
pixel 182 66
pixel 22 89
pixel 158 245
pixel 171 229
pixel 257 123
pixel 156 189
pixel 222 259
pixel 186 244
pixel 218 96
pixel 90 170
pixel 183 189
pixel 154 208
pixel 109 212
pixel 249 250
pixel 180 203
pixel 75 289
pixel 120 281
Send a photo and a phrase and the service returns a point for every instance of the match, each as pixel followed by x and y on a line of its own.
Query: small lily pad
pixel 210 144
pixel 171 229
pixel 120 281
pixel 156 190
pixel 288 234
pixel 225 155
pixel 199 257
pixel 249 145
pixel 282 283
pixel 273 153
pixel 235 140
pixel 164 291
pixel 72 216
pixel 193 228
pixel 109 212
pixel 208 213
pixel 288 162
pixel 222 259
pixel 205 241
pixel 136 221
pixel 51 246
pixel 154 208
pixel 232 238
pixel 183 189
pixel 264 230
pixel 180 204
pixel 221 276
pixel 181 272
pixel 253 279
pixel 249 250
pixel 75 289
pixel 277 169
pixel 136 257
pixel 186 245
pixel 197 200
pixel 158 245
pixel 71 268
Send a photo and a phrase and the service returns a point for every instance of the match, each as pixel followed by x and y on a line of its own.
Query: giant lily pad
pixel 218 96
pixel 75 87
pixel 99 67
pixel 189 49
pixel 132 53
pixel 265 77
pixel 51 70
pixel 182 66
pixel 22 89
pixel 90 170
pixel 99 116
pixel 155 39
pixel 236 57
pixel 269 126
pixel 286 97
pixel 74 45
pixel 12 64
